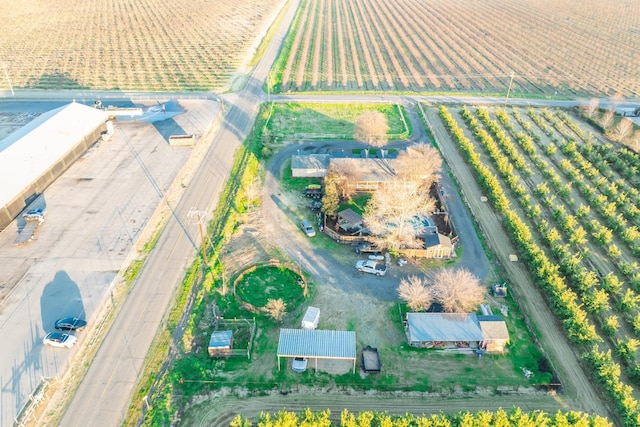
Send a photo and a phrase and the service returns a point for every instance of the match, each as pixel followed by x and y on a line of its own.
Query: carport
pixel 317 344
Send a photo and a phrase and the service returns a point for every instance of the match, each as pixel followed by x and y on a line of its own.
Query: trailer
pixel 311 318
pixel 370 360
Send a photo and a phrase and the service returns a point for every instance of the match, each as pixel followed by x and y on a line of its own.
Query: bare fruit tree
pixel 393 215
pixel 622 129
pixel 344 172
pixel 635 142
pixel 591 108
pixel 413 290
pixel 420 163
pixel 275 308
pixel 459 291
pixel 372 129
pixel 607 119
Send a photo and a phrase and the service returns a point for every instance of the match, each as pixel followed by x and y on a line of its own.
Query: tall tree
pixel 392 215
pixel 413 290
pixel 607 119
pixel 372 128
pixel 592 107
pixel 331 197
pixel 622 129
pixel 420 163
pixel 459 291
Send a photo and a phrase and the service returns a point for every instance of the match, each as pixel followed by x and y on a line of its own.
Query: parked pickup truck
pixel 370 266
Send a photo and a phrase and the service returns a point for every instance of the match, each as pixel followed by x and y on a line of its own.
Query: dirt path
pixel 578 388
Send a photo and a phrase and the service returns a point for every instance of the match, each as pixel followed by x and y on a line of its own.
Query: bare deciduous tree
pixel 622 129
pixel 607 119
pixel 421 163
pixel 414 291
pixel 343 172
pixel 372 128
pixel 459 291
pixel 391 215
pixel 635 142
pixel 615 100
pixel 591 108
pixel 275 308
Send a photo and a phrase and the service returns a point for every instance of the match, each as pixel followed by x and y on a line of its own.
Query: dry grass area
pixel 536 47
pixel 128 45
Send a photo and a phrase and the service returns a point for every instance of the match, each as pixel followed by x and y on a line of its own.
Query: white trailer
pixel 311 318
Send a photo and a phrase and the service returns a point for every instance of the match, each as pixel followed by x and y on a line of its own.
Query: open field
pixel 147 45
pixel 536 47
pixel 577 195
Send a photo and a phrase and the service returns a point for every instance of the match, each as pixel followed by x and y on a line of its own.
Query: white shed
pixel 311 318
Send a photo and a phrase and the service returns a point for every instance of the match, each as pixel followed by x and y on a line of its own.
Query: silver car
pixel 307 228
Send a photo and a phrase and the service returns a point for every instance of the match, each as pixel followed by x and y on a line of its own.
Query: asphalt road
pixel 106 390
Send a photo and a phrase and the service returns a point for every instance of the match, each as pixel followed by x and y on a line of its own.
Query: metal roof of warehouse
pixel 30 151
pixel 317 343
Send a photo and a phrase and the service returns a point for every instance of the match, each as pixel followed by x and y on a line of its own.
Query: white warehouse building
pixel 34 156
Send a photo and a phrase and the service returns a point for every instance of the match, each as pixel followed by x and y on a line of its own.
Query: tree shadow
pixel 60 298
pixel 55 80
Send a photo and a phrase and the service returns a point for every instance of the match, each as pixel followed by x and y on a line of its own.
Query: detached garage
pixel 317 344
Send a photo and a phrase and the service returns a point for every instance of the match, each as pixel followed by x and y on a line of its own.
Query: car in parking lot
pixel 60 339
pixel 307 228
pixel 70 324
pixel 299 364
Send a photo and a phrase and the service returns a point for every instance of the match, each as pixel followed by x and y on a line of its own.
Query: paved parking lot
pixel 97 213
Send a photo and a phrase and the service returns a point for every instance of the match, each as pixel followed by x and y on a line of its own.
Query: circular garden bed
pixel 256 286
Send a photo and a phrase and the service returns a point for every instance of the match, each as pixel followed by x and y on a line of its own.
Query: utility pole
pixel 6 74
pixel 509 90
pixel 200 217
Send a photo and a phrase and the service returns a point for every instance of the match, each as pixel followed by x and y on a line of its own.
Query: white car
pixel 60 339
pixel 299 364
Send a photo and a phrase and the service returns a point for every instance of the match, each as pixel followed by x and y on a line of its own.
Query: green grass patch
pixel 270 282
pixel 357 203
pixel 333 121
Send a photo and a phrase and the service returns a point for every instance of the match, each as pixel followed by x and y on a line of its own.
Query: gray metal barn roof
pixel 310 161
pixel 426 327
pixel 30 151
pixel 317 343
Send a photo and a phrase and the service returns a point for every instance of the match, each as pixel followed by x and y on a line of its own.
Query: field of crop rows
pixel 127 45
pixel 569 200
pixel 536 46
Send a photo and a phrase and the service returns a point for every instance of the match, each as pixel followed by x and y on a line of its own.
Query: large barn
pixel 34 156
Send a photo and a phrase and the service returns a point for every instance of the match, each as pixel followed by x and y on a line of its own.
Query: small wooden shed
pixel 220 344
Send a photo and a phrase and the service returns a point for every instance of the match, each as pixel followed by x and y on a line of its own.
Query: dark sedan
pixel 70 324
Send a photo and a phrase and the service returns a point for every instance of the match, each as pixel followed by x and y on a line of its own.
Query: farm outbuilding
pixel 220 344
pixel 309 165
pixel 34 156
pixel 317 344
pixel 436 246
pixel 443 330
pixel 495 335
